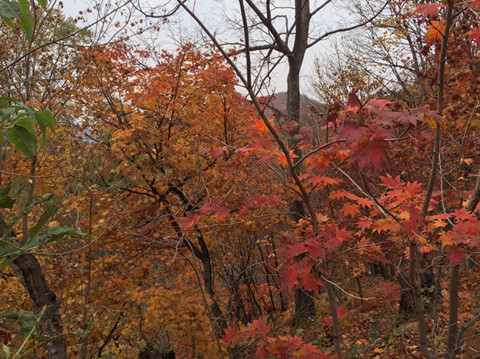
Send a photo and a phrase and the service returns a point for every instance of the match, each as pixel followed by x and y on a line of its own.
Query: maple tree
pixel 215 224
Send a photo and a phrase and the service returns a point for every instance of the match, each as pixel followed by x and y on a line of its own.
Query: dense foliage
pixel 150 209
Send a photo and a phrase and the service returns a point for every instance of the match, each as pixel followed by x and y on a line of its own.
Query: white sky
pixel 182 28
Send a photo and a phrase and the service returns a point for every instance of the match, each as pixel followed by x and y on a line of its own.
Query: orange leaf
pixel 282 159
pixel 435 31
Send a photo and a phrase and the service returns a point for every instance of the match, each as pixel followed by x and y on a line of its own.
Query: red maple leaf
pixel 262 352
pixel 219 152
pixel 369 151
pixel 364 223
pixel 216 208
pixel 310 351
pixel 342 234
pixel 231 336
pixel 350 209
pixel 376 104
pixel 340 194
pixel 289 279
pixel 341 312
pixel 189 222
pixel 455 253
pixel 474 35
pixel 365 202
pixel 258 202
pixel 324 180
pixel 392 183
pixel 353 103
pixel 310 281
pixel 352 132
pixel 474 4
pixel 466 232
pixel 316 248
pixel 295 250
pixel 259 328
pixel 416 215
pixel 428 10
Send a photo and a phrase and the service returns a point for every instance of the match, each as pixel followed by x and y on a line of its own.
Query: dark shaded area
pixel 406 310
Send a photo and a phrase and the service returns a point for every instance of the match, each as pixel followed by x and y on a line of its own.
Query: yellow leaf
pixel 53 224
pixel 430 121
pixel 421 239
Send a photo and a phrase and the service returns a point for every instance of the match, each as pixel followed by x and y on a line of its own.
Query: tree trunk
pixel 51 322
pixel 34 281
pixel 304 304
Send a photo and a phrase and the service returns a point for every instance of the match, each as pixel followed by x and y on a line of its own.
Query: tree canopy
pixel 167 203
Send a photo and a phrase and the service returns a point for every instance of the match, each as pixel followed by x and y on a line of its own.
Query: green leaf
pixel 6 249
pixel 6 112
pixel 10 10
pixel 52 235
pixel 26 320
pixel 7 351
pixel 4 100
pixel 8 22
pixel 44 218
pixel 24 6
pixel 7 261
pixel 28 109
pixel 7 231
pixel 44 119
pixel 23 140
pixel 43 4
pixel 27 122
pixel 27 24
pixel 9 314
pixel 5 200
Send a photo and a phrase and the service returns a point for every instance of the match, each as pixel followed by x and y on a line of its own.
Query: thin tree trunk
pixel 453 305
pixel 452 335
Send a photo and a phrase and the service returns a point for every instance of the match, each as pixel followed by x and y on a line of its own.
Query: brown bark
pixel 42 297
pixel 304 303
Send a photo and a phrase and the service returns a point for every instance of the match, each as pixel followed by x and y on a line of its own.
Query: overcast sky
pixel 182 28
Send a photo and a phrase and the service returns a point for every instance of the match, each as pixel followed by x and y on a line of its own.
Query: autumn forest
pixel 167 201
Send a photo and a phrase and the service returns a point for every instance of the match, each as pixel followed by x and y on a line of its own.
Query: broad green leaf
pixel 27 109
pixel 44 119
pixel 5 200
pixel 24 6
pixel 6 112
pixel 44 218
pixel 10 10
pixel 52 235
pixel 6 249
pixel 4 100
pixel 27 24
pixel 23 140
pixel 43 4
pixel 8 22
pixel 27 123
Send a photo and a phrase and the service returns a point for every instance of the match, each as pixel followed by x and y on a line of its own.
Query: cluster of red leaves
pixel 266 347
